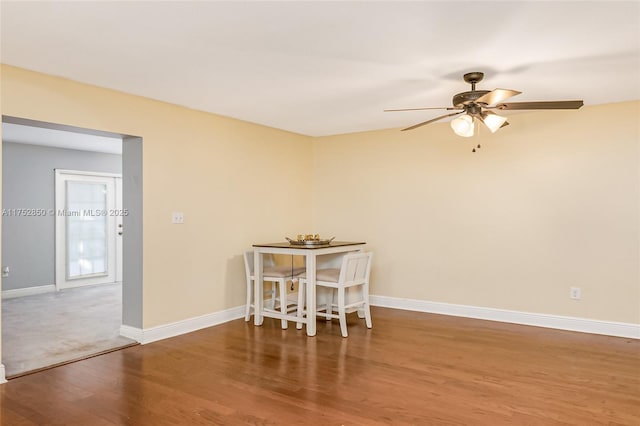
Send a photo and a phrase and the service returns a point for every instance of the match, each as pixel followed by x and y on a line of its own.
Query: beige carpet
pixel 52 328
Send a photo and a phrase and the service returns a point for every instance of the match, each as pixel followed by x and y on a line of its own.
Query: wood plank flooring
pixel 410 369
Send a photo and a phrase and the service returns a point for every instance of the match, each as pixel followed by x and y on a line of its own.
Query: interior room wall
pixel 237 183
pixel 2 369
pixel 547 203
pixel 132 242
pixel 28 177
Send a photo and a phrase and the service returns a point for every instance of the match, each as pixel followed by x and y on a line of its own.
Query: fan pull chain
pixel 291 272
pixel 477 127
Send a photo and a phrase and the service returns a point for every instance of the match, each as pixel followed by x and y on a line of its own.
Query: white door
pixel 87 219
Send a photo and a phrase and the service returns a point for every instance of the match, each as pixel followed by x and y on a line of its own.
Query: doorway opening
pixel 78 208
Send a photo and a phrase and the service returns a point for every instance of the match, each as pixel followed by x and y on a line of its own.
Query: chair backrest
pixel 356 268
pixel 267 260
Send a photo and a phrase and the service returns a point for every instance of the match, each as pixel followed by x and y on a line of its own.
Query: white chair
pixel 276 275
pixel 351 285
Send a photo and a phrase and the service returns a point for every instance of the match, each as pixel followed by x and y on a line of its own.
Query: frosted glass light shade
pixel 493 121
pixel 463 125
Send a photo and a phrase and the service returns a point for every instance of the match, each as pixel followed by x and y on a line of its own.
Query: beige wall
pixel 236 182
pixel 547 203
pixel 1 366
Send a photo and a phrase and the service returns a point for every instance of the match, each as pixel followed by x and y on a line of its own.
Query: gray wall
pixel 28 246
pixel 132 238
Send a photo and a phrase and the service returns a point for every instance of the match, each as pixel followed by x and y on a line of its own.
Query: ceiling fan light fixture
pixel 493 121
pixel 463 125
pixel 475 103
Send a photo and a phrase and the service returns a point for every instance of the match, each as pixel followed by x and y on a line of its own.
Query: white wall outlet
pixel 575 293
pixel 5 271
pixel 177 217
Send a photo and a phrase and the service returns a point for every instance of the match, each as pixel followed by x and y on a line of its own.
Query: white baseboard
pixel 28 291
pixel 2 375
pixel 165 331
pixel 584 325
pixel 132 333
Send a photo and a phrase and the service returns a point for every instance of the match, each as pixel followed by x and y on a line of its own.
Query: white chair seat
pixel 330 275
pixel 283 271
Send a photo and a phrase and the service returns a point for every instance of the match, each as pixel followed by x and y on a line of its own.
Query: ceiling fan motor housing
pixel 465 98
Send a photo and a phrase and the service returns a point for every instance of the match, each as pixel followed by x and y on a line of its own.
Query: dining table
pixel 311 252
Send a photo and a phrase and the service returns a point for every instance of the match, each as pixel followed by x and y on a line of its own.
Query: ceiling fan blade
pixel 497 95
pixel 542 105
pixel 420 109
pixel 432 120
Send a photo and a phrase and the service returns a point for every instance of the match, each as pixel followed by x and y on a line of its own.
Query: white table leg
pixel 258 291
pixel 311 294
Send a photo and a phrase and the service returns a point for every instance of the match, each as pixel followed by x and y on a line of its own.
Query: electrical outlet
pixel 575 293
pixel 5 271
pixel 177 217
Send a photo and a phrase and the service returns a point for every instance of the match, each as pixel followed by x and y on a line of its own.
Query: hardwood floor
pixel 410 369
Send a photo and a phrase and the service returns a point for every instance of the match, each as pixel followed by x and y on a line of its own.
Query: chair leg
pixel 341 312
pixel 283 302
pixel 272 302
pixel 300 307
pixel 324 301
pixel 330 301
pixel 362 295
pixel 366 307
pixel 367 315
pixel 247 309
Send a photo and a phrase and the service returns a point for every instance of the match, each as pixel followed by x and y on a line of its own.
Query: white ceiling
pixel 18 133
pixel 324 67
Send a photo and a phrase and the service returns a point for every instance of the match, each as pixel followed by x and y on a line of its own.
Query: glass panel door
pixel 86 237
pixel 87 248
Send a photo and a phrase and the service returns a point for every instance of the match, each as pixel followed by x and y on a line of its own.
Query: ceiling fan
pixel 479 105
